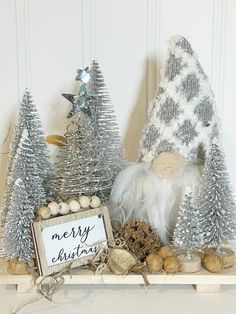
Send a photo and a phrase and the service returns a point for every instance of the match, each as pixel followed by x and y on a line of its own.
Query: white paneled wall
pixel 43 42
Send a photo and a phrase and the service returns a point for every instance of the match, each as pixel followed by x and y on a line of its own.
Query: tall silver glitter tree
pixel 28 119
pixel 93 100
pixel 80 169
pixel 187 233
pixel 105 125
pixel 27 183
pixel 18 239
pixel 215 200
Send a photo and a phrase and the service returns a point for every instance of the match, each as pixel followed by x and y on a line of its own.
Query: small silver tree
pixel 27 195
pixel 29 120
pixel 215 200
pixel 18 240
pixel 187 233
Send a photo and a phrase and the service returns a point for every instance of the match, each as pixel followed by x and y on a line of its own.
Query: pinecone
pixel 140 237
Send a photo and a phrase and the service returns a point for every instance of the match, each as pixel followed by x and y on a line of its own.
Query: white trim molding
pixel 23 45
pixel 153 46
pixel 88 31
pixel 218 51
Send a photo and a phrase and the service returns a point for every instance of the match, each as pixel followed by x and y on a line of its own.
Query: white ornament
pixel 84 201
pixel 54 208
pixel 44 212
pixel 95 201
pixel 64 208
pixel 74 206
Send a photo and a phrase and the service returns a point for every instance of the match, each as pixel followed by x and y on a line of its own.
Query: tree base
pixel 192 265
pixel 227 254
pixel 16 267
pixel 228 257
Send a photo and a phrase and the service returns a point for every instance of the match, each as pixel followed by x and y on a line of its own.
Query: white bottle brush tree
pixel 187 233
pixel 215 201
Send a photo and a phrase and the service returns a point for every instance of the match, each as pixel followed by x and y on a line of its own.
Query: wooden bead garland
pixel 72 205
pixel 54 208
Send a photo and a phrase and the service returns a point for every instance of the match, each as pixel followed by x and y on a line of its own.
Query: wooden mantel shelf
pixel 203 281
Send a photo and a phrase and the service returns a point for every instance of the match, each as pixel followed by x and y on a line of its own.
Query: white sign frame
pixel 90 228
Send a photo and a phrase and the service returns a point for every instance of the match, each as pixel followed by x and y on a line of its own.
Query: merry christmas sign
pixel 69 239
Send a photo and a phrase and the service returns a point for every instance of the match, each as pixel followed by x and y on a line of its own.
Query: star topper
pixel 83 75
pixel 80 102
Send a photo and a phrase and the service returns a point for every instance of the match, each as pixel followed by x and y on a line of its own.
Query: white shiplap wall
pixel 43 42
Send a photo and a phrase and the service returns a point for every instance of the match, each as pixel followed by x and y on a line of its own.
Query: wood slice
pixel 192 265
pixel 15 267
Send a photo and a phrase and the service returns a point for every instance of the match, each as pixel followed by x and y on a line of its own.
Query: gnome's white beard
pixel 140 193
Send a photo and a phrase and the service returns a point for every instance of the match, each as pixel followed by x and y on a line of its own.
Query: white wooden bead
pixel 54 208
pixel 44 212
pixel 64 208
pixel 74 206
pixel 84 201
pixel 95 201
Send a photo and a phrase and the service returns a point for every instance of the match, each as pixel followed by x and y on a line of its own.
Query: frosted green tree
pixel 187 233
pixel 215 200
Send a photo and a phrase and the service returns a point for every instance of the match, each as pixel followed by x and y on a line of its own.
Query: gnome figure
pixel 180 126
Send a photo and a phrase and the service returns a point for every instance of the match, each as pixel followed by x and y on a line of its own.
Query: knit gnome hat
pixel 181 117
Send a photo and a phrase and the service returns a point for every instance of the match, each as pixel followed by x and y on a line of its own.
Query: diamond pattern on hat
pixel 185 45
pixel 190 86
pixel 186 132
pixel 173 67
pixel 204 110
pixel 151 138
pixel 183 109
pixel 169 111
pixel 165 146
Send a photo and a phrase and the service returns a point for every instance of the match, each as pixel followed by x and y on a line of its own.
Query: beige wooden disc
pixel 189 266
pixel 168 165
